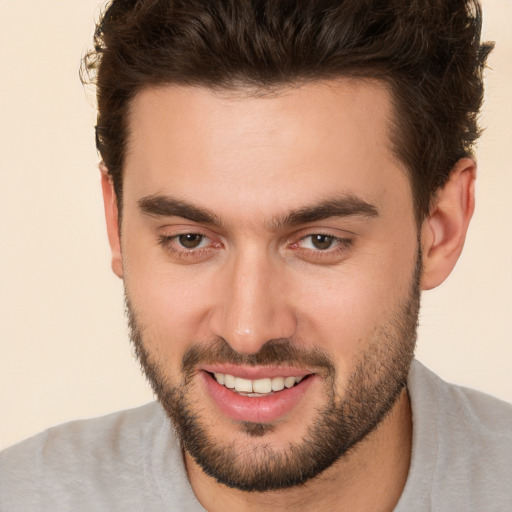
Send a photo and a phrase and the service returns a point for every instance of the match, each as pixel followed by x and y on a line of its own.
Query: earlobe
pixel 112 219
pixel 444 230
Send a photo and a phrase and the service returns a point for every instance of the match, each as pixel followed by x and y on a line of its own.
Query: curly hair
pixel 427 52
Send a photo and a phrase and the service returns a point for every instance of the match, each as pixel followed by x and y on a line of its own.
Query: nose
pixel 253 304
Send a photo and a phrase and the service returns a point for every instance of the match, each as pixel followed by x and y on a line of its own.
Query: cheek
pixel 348 310
pixel 343 313
pixel 171 300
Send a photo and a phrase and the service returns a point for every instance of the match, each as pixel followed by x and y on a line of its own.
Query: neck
pixel 380 462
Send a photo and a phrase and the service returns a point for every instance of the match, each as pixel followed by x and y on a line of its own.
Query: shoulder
pixel 81 461
pixel 460 407
pixel 106 436
pixel 462 447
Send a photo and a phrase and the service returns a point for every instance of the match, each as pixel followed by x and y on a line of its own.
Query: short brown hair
pixel 428 52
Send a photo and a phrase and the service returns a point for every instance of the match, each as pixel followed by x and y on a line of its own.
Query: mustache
pixel 276 352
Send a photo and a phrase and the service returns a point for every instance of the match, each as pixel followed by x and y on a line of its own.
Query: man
pixel 281 180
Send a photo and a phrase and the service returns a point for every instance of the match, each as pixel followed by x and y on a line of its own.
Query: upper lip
pixel 256 372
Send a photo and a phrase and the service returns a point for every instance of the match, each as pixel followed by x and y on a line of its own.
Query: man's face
pixel 269 241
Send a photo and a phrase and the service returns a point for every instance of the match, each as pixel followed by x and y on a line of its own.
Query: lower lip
pixel 264 409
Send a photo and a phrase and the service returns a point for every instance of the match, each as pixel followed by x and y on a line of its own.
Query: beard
pixel 376 382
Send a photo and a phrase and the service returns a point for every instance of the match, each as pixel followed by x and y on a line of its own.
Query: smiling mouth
pixel 259 387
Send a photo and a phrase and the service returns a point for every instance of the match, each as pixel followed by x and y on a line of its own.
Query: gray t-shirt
pixel 131 460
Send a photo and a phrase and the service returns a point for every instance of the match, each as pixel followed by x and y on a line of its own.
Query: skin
pixel 251 161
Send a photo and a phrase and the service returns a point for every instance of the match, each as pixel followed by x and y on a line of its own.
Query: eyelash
pixel 341 244
pixel 169 242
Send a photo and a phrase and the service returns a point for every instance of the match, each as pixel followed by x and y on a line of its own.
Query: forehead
pixel 236 151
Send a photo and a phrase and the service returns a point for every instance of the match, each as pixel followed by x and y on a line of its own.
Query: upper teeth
pixel 260 386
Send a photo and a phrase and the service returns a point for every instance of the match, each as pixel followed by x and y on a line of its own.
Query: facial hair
pixel 374 386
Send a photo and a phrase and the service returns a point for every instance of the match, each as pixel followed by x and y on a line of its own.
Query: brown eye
pixel 322 242
pixel 190 240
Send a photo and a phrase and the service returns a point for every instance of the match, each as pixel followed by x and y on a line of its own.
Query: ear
pixel 444 230
pixel 112 218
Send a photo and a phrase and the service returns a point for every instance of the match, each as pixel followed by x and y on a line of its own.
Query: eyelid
pixel 337 239
pixel 330 256
pixel 168 240
pixel 341 235
pixel 334 238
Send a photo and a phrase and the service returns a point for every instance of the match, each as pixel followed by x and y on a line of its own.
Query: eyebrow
pixel 348 205
pixel 166 206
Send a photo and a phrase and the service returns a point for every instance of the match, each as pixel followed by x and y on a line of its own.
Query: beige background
pixel 64 352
